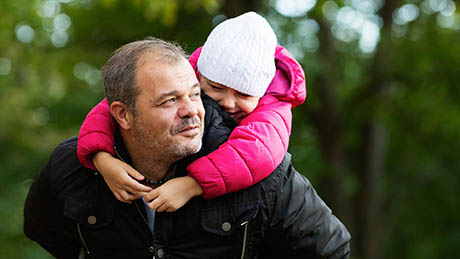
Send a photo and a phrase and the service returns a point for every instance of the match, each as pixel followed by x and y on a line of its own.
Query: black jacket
pixel 69 207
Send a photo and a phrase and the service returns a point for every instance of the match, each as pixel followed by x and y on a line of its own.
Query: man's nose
pixel 188 108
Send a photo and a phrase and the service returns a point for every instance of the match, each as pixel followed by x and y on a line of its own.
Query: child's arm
pixel 95 143
pixel 96 134
pixel 117 174
pixel 254 149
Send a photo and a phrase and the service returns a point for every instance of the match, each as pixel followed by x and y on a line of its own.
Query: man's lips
pixel 191 130
pixel 187 126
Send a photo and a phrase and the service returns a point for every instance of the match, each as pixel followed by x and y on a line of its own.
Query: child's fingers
pixel 163 207
pixel 128 197
pixel 119 197
pixel 155 204
pixel 137 194
pixel 118 194
pixel 135 187
pixel 171 209
pixel 149 197
pixel 134 173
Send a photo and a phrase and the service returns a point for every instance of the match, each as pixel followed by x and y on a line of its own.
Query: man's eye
pixel 170 100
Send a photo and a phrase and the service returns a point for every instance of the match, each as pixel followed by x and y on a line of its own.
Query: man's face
pixel 170 115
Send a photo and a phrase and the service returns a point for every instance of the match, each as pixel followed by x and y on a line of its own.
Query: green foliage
pixel 407 85
pixel 46 87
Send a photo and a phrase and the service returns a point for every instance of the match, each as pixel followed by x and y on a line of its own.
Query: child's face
pixel 237 104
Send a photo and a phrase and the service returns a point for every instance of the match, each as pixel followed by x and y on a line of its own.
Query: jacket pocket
pixel 87 214
pixel 225 221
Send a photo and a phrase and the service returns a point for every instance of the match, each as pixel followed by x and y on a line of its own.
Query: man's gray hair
pixel 119 73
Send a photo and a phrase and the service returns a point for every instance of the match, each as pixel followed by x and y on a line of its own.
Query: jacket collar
pixel 119 147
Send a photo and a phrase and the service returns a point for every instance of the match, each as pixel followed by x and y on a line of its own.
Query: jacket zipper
pixel 145 221
pixel 135 203
pixel 140 213
pixel 81 238
pixel 245 234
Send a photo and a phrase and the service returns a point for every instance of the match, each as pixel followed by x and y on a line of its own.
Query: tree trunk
pixel 368 202
pixel 330 130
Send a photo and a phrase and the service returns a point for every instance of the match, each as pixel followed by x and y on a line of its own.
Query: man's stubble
pixel 157 150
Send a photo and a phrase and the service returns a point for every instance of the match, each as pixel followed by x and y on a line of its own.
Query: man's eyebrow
pixel 175 92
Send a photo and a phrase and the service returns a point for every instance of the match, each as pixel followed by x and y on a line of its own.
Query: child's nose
pixel 228 103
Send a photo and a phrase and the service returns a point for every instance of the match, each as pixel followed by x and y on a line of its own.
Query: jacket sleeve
pixel 305 222
pixel 254 149
pixel 96 134
pixel 44 222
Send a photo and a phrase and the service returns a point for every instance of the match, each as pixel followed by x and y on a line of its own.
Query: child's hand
pixel 117 174
pixel 173 194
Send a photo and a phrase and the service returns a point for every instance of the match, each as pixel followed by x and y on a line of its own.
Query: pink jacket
pixel 254 149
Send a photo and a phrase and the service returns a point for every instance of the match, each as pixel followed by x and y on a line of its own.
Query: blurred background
pixel 377 136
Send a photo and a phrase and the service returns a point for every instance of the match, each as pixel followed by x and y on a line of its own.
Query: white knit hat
pixel 240 54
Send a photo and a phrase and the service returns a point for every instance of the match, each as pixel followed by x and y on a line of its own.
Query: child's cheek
pixel 248 107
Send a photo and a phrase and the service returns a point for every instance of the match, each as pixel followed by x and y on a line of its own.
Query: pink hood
pixel 293 92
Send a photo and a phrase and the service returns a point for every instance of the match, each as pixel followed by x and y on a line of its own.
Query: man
pixel 154 97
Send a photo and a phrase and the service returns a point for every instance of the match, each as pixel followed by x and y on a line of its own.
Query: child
pixel 257 82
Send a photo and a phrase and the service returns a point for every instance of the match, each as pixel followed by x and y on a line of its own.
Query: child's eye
pixel 244 95
pixel 216 88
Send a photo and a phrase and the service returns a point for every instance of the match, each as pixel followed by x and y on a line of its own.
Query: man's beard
pixel 161 148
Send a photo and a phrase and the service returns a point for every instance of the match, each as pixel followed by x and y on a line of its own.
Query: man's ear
pixel 122 114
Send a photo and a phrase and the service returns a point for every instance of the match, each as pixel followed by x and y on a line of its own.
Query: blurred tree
pixel 382 151
pixel 50 55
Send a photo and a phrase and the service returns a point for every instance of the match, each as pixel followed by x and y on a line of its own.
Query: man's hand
pixel 117 174
pixel 173 194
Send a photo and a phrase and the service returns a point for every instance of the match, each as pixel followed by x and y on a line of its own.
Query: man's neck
pixel 152 168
